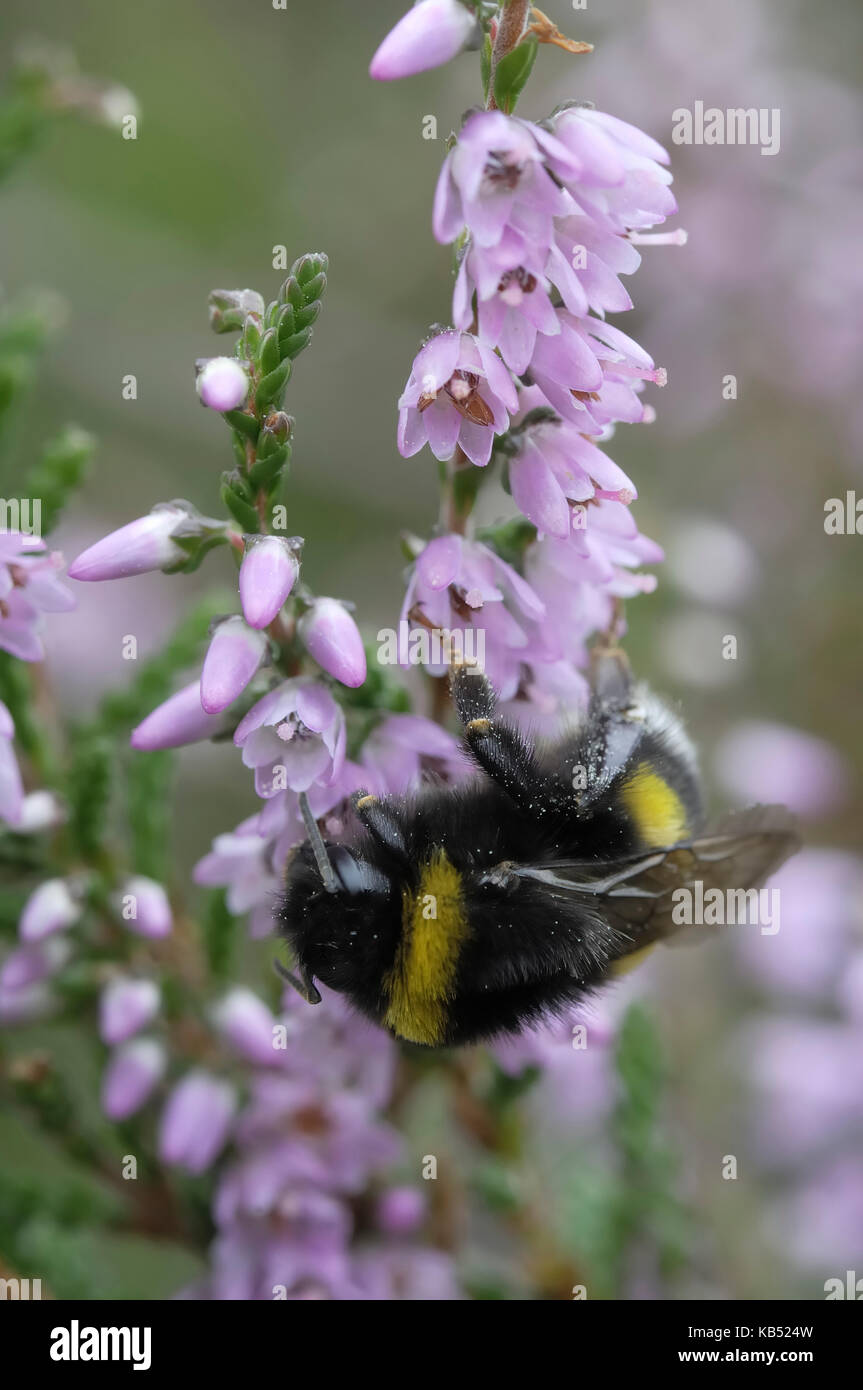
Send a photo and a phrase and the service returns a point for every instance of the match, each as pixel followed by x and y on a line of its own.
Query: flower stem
pixel 511 26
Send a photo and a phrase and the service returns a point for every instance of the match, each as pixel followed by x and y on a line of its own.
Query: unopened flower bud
pixel 223 384
pixel 143 545
pixel 427 36
pixel 234 655
pixel 52 907
pixel 178 721
pixel 196 1121
pixel 246 1022
pixel 131 1076
pixel 331 636
pixel 267 575
pixel 144 907
pixel 126 1006
pixel 229 308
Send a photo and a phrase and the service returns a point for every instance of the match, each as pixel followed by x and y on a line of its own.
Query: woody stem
pixel 511 27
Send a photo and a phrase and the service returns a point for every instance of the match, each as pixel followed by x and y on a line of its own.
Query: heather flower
pixel 36 961
pixel 591 373
pixel 430 34
pixel 125 1007
pixel 267 575
pixel 241 861
pixel 503 173
pixel 585 264
pixel 11 787
pixel 329 1138
pixel 850 989
pixel 314 1120
pixel 555 465
pixel 26 1005
pixel 821 894
pixel 401 1211
pixel 331 636
pixel 144 907
pixel 395 1273
pixel 398 749
pixel 29 587
pixel 223 384
pixel 602 552
pixel 54 906
pixel 302 1248
pixel 757 761
pixel 578 579
pixel 234 655
pixel 293 737
pixel 808 1076
pixel 573 1056
pixel 40 810
pixel 131 1076
pixel 247 1024
pixel 461 584
pixel 196 1121
pixel 144 545
pixel 459 394
pixel 621 181
pixel 821 1222
pixel 513 302
pixel 179 720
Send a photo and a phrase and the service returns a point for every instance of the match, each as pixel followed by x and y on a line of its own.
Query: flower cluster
pixel 804 1048
pixel 297 1098
pixel 308 1141
pixel 29 588
pixel 546 219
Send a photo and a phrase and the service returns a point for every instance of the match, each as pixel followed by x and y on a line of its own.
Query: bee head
pixel 341 932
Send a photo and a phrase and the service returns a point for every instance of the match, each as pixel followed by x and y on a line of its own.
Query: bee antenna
pixel 305 985
pixel 319 849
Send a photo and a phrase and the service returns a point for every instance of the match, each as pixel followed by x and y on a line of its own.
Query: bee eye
pixel 355 875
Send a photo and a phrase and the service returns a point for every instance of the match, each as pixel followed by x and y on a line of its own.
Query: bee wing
pixel 636 896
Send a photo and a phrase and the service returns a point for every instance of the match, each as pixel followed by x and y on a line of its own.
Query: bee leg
pixel 499 748
pixel 381 821
pixel 611 682
pixel 472 693
pixel 304 985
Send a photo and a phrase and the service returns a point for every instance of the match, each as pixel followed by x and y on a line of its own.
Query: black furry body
pixel 556 884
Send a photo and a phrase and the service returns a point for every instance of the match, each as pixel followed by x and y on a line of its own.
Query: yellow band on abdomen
pixel 654 807
pixel 419 984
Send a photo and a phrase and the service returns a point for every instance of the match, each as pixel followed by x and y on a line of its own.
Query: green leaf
pixel 244 423
pixel 510 539
pixel 485 65
pixel 269 353
pixel 148 797
pixel 306 317
pixel 241 510
pixel 497 1183
pixel 266 471
pixel 512 73
pixel 309 270
pixel 219 929
pixel 89 792
pixel 296 343
pixel 271 386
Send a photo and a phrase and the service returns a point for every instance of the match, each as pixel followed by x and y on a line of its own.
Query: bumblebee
pixel 469 911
